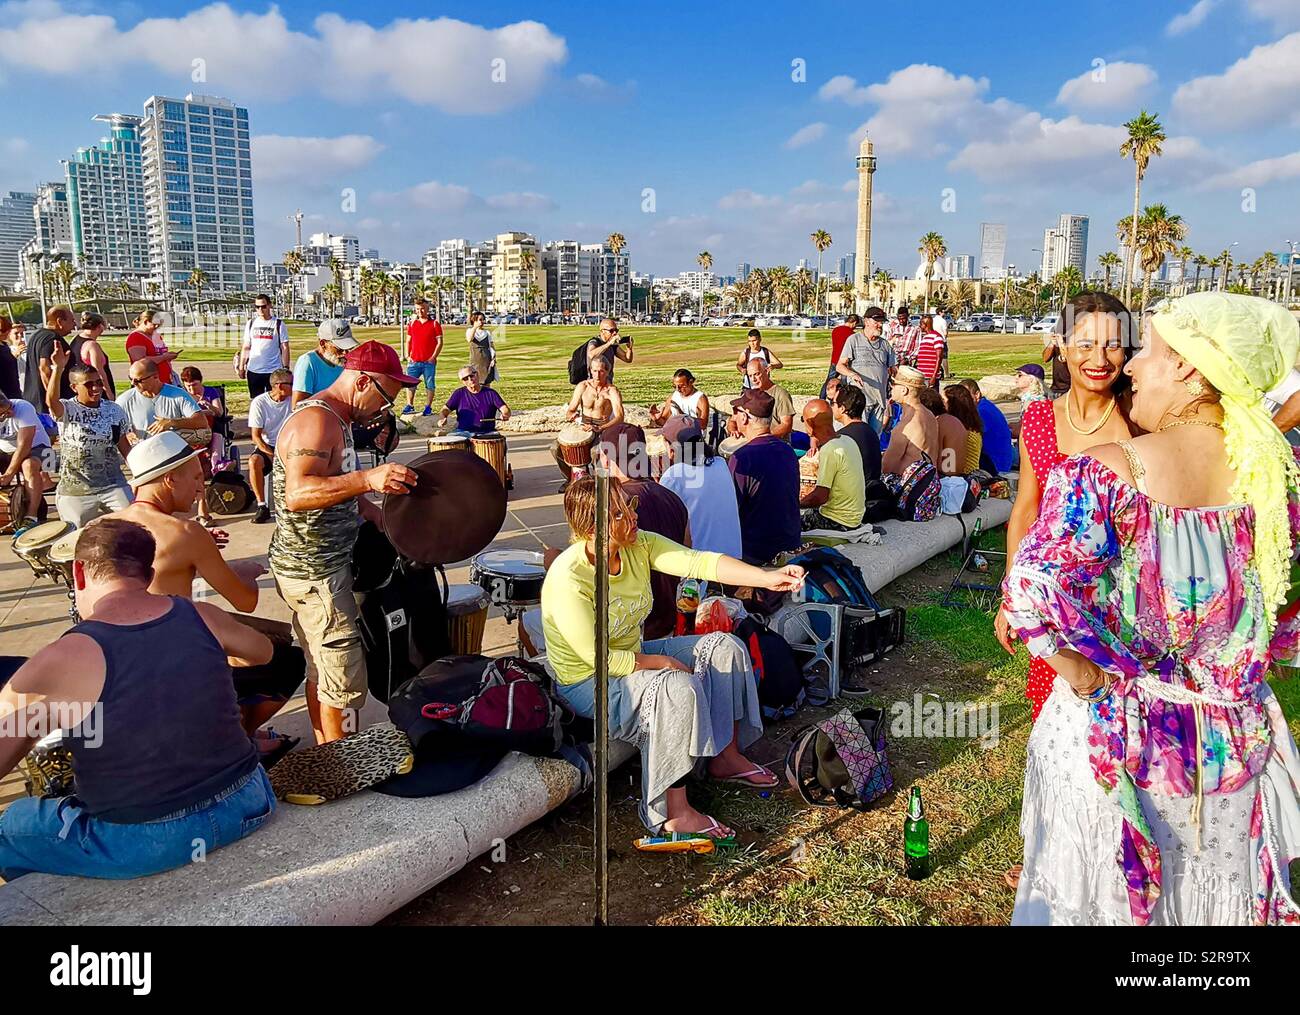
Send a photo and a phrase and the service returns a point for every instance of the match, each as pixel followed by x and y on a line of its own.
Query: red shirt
pixel 839 336
pixel 154 346
pixel 424 336
pixel 928 355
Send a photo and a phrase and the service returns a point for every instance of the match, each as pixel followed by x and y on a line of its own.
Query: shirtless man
pixel 596 405
pixel 917 431
pixel 167 479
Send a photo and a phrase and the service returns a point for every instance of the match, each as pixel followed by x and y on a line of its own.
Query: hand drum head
pixel 454 511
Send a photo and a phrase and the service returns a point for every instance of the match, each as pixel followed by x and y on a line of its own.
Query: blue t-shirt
pixel 311 374
pixel 710 498
pixel 171 402
pixel 475 411
pixel 766 474
pixel 997 436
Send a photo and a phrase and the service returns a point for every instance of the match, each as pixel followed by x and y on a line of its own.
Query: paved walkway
pixel 34 612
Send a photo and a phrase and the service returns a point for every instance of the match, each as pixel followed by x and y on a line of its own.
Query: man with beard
pixel 320 499
pixel 316 370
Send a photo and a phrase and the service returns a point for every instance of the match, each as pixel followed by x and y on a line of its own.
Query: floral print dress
pixel 1177 798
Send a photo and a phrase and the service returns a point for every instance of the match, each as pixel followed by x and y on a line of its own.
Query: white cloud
pixel 449 64
pixel 1187 21
pixel 523 201
pixel 843 88
pixel 744 198
pixel 282 158
pixel 432 195
pixel 1258 89
pixel 806 135
pixel 1284 14
pixel 1115 85
pixel 1256 174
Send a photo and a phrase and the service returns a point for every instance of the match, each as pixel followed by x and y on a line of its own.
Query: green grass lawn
pixel 533 360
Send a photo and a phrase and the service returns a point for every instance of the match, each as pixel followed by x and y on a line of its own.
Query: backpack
pixel 780 679
pixel 404 625
pixel 578 371
pixel 841 761
pixel 918 492
pixel 228 493
pixel 830 577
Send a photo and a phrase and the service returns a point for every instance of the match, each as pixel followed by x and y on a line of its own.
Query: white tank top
pixel 687 405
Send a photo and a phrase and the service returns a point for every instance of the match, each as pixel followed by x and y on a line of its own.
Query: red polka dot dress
pixel 1038 431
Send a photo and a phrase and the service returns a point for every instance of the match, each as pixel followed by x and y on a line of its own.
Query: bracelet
pixel 1099 694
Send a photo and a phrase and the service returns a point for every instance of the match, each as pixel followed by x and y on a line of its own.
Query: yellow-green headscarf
pixel 1245 346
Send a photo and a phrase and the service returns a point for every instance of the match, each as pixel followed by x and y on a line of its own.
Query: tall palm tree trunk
pixel 1133 234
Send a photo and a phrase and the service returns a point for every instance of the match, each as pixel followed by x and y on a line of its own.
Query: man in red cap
pixel 320 500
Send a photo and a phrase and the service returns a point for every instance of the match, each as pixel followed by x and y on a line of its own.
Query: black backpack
pixel 578 371
pixel 404 625
pixel 780 679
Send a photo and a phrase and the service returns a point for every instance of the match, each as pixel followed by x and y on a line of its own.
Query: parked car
pixel 1045 324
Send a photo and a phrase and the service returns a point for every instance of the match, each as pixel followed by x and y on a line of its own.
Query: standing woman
pixel 10 386
pixel 688 703
pixel 146 342
pixel 86 349
pixel 482 354
pixel 755 349
pixel 1096 341
pixel 1162 785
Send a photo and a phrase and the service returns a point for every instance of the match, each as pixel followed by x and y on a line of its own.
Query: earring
pixel 1194 387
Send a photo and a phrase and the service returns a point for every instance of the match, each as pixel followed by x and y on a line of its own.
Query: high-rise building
pixel 611 285
pixel 847 265
pixel 961 266
pixel 516 268
pixel 742 271
pixel 568 285
pixel 459 260
pixel 106 202
pixel 53 236
pixel 993 250
pixel 345 247
pixel 1051 251
pixel 17 227
pixel 1065 246
pixel 199 192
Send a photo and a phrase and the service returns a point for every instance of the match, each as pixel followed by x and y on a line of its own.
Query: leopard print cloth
pixel 342 767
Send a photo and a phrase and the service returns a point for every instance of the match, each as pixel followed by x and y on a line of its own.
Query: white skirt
pixel 1072 830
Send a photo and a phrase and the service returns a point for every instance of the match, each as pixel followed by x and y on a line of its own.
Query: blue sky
pixel 699 104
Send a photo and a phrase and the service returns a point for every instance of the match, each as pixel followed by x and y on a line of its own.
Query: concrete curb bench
pixel 356 860
pixel 352 861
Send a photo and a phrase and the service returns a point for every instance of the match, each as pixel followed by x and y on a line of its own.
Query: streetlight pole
pixel 1290 273
pixel 1006 290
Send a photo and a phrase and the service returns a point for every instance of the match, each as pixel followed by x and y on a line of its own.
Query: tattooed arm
pixel 311 447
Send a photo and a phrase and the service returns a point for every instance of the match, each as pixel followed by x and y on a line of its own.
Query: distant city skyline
pixel 408 138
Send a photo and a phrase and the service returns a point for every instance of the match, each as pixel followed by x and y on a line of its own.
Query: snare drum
pixel 34 546
pixel 728 447
pixel 575 448
pixel 491 447
pixel 467 610
pixel 511 578
pixel 449 442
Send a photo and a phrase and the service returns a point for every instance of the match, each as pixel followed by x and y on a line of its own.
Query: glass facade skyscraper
pixel 105 186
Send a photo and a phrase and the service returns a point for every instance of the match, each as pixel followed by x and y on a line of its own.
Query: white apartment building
pixel 345 247
pixel 459 260
pixel 1065 245
pixel 53 238
pixel 17 227
pixel 106 202
pixel 516 267
pixel 199 192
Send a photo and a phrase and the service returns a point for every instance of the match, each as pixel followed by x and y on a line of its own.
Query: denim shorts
pixel 419 368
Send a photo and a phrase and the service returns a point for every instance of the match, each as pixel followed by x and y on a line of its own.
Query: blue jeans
pixel 420 368
pixel 56 836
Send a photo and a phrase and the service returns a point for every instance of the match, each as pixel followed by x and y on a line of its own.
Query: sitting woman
pixel 957 400
pixel 212 403
pixel 952 433
pixel 681 700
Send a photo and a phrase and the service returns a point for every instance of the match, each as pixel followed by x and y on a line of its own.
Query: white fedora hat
pixel 158 455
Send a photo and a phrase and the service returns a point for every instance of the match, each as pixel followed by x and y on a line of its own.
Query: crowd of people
pixel 1161 784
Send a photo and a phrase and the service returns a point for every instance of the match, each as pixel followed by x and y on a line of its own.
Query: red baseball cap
pixel 376 358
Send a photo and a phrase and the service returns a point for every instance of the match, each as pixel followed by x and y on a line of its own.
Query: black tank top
pixel 75 351
pixel 168 734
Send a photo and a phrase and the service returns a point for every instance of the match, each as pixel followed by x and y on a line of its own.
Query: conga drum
pixel 807 472
pixel 728 447
pixel 575 448
pixel 491 447
pixel 467 611
pixel 61 555
pixel 47 769
pixel 448 442
pixel 34 545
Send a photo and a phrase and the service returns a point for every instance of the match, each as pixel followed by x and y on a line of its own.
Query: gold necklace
pixel 1189 422
pixel 1069 418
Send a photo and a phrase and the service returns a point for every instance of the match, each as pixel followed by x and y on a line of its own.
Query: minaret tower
pixel 862 260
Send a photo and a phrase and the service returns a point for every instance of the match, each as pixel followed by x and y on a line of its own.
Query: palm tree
pixel 931 248
pixel 1225 266
pixel 1145 136
pixel 705 260
pixel 961 295
pixel 1159 234
pixel 293 264
pixel 847 289
pixel 1268 265
pixel 1108 261
pixel 533 295
pixel 802 283
pixel 884 281
pixel 64 274
pixel 197 280
pixel 473 293
pixel 821 239
pixel 1199 261
pixel 1069 280
pixel 1185 254
pixel 616 242
pixel 758 287
pixel 332 295
pixel 781 285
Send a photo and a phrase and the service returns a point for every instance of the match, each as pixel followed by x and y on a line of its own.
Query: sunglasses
pixel 389 400
pixel 91 385
pixel 137 381
pixel 472 373
pixel 261 306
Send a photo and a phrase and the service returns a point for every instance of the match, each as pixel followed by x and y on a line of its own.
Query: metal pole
pixel 601 837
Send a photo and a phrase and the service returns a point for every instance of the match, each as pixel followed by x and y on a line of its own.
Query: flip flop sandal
pixel 283 745
pixel 741 778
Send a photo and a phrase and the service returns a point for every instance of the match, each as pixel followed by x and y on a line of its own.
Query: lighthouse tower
pixel 862 262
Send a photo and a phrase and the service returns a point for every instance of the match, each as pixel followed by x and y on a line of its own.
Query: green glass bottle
pixel 916 838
